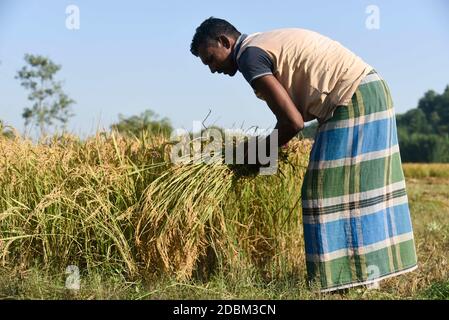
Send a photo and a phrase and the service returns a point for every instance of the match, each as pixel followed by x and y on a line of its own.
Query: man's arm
pixel 289 120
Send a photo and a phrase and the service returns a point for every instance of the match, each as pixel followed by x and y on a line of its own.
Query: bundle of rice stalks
pixel 185 213
pixel 177 206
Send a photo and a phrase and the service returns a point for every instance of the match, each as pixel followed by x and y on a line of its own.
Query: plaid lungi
pixel 357 226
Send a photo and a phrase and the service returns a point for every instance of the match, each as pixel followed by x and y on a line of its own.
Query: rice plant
pixel 118 204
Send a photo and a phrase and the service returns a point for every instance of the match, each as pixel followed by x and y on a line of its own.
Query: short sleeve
pixel 254 63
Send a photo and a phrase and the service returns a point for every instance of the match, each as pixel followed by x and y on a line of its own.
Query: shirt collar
pixel 238 44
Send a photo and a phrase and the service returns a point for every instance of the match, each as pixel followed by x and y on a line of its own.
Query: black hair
pixel 210 30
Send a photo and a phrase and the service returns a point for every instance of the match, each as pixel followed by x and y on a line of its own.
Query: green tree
pixel 146 121
pixel 50 103
pixel 419 147
pixel 423 132
pixel 436 108
pixel 415 121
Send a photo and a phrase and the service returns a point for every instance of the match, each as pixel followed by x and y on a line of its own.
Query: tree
pixel 436 108
pixel 415 121
pixel 146 121
pixel 50 103
pixel 423 132
pixel 419 147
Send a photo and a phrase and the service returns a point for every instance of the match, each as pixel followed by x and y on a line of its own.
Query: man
pixel 357 226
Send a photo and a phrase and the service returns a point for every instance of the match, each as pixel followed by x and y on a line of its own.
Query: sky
pixel 129 56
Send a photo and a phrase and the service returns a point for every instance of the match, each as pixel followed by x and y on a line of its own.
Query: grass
pixel 139 227
pixel 426 170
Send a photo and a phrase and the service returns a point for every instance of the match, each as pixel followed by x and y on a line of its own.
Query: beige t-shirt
pixel 318 73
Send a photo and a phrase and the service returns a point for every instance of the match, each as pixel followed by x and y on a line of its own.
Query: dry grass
pixel 426 170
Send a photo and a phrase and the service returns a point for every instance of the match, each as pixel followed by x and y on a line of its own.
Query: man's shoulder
pixel 281 38
pixel 254 63
pixel 281 32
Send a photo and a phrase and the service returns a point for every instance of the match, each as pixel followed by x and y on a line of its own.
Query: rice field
pixel 426 170
pixel 137 226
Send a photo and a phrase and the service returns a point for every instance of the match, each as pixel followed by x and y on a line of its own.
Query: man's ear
pixel 225 42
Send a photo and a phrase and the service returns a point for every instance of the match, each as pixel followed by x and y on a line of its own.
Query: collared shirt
pixel 317 72
pixel 238 44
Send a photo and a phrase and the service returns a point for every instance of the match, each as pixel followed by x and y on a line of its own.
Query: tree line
pixel 423 132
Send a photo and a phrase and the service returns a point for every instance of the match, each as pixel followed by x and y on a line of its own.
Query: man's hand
pixel 246 168
pixel 289 120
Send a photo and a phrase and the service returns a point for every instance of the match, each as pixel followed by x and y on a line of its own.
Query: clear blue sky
pixel 132 55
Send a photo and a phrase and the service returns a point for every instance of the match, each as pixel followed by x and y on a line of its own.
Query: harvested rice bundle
pixel 183 209
pixel 177 205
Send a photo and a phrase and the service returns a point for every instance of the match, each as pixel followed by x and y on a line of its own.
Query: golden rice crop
pixel 119 204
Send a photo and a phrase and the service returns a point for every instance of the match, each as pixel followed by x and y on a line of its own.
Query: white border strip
pixel 370 78
pixel 259 76
pixel 362 250
pixel 348 123
pixel 350 213
pixel 326 164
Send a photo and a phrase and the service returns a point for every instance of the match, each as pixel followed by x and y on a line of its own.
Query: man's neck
pixel 237 44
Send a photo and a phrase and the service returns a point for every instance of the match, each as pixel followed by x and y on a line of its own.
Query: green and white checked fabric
pixel 357 226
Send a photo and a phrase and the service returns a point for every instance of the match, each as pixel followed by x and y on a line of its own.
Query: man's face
pixel 218 55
